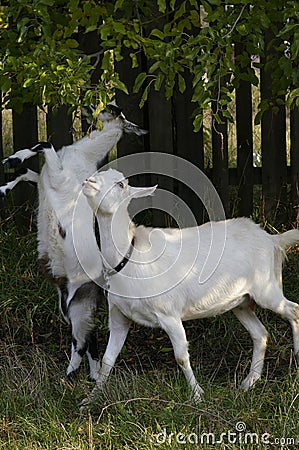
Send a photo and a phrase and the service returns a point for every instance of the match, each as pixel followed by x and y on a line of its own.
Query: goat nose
pixel 91 180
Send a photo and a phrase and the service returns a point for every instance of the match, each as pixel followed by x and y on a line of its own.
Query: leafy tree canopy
pixel 42 61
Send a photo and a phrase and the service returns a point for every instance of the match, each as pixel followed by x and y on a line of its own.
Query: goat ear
pixel 142 192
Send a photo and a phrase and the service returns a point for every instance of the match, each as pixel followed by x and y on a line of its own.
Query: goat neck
pixel 95 147
pixel 116 235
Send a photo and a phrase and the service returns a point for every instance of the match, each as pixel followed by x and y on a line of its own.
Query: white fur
pixel 173 275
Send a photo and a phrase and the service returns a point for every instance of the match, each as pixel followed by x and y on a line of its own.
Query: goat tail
pixel 283 241
pixel 287 239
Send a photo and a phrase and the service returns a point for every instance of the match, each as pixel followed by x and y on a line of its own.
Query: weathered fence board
pixel 59 126
pixel 294 160
pixel 2 177
pixel 274 161
pixel 188 145
pixel 244 144
pixel 220 175
pixel 25 134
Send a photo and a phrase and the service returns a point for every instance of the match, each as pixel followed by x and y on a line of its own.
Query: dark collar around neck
pixel 127 256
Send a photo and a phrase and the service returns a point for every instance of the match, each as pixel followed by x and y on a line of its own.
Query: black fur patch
pixel 20 172
pixel 4 193
pixel 100 163
pixel 74 342
pixel 63 298
pixel 12 162
pixel 81 352
pixel 113 109
pixel 97 232
pixel 40 147
pixel 61 230
pixel 90 344
pixel 93 346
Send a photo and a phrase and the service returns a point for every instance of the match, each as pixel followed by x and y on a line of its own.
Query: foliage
pixel 182 42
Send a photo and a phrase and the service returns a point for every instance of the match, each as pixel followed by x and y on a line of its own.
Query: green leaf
pixel 120 28
pixel 195 19
pixel 181 11
pixel 91 28
pixel 5 84
pixel 182 83
pixel 159 81
pixel 215 2
pixel 162 5
pixel 120 85
pixel 27 82
pixel 154 67
pixel 166 350
pixel 71 43
pixel 106 61
pixel 144 95
pixel 134 60
pixel 47 2
pixel 197 122
pixel 158 33
pixel 258 117
pixel 118 4
pixel 139 81
pixel 194 3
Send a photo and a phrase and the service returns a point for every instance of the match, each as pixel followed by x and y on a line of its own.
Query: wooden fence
pixel 270 191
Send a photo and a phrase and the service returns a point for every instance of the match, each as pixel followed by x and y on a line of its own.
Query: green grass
pixel 146 403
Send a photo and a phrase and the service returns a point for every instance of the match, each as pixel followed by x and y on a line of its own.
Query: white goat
pixel 59 183
pixel 171 275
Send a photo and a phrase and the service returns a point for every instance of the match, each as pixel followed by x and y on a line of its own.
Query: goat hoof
pixel 69 379
pixel 197 393
pixel 85 404
pixel 249 382
pixel 11 163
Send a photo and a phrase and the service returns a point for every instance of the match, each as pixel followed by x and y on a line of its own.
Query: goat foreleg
pixel 176 332
pixel 119 326
pixel 21 175
pixel 20 156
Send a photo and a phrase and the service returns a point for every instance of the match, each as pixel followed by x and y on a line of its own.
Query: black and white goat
pixel 59 184
pixel 172 275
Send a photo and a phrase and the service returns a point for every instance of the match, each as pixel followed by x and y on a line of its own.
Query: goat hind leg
pixel 82 344
pixel 81 313
pixel 259 336
pixel 275 301
pixel 92 353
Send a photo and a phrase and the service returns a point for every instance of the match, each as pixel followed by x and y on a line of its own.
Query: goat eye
pixel 120 184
